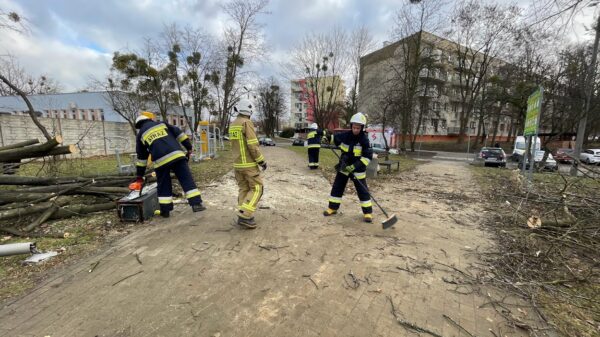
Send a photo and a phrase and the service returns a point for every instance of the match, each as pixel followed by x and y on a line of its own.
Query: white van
pixel 520 145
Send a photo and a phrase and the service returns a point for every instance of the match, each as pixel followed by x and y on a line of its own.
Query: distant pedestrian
pixel 314 145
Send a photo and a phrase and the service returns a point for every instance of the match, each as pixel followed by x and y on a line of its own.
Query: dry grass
pixel 556 266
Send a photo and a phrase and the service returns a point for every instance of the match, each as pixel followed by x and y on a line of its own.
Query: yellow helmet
pixel 148 114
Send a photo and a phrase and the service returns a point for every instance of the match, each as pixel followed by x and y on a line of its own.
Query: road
pixel 298 274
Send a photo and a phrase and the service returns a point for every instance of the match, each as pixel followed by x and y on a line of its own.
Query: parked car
pixel 298 142
pixel 492 156
pixel 563 155
pixel 590 156
pixel 266 142
pixel 550 164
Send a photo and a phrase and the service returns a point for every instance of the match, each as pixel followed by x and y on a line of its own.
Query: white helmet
pixel 359 118
pixel 139 119
pixel 313 126
pixel 243 107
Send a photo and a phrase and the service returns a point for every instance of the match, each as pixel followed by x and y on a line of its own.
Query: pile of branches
pixel 12 155
pixel 548 235
pixel 28 202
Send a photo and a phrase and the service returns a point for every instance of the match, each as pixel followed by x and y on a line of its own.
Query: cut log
pixel 30 151
pixel 71 211
pixel 60 150
pixel 21 144
pixel 46 181
pixel 16 232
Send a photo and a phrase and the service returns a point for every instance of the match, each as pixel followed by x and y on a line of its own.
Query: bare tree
pixel 361 43
pixel 271 105
pixel 480 32
pixel 322 59
pixel 12 21
pixel 244 41
pixel 14 73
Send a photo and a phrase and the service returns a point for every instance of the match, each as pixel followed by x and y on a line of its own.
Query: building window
pixel 472 125
pixel 434 123
pixel 502 127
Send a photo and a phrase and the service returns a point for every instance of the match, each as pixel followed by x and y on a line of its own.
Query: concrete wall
pixel 94 138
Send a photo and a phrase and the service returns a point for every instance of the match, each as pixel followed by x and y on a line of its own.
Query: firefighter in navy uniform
pixel 356 156
pixel 314 145
pixel 166 144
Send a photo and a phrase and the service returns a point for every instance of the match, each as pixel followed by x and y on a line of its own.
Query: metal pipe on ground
pixel 18 248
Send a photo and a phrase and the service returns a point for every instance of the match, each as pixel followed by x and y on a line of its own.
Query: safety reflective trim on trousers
pixel 152 129
pixel 260 158
pixel 313 164
pixel 165 200
pixel 312 146
pixel 335 200
pixel 168 158
pixel 246 207
pixel 182 137
pixel 367 203
pixel 360 175
pixel 252 141
pixel 192 193
pixel 311 134
pixel 365 160
pixel 141 162
pixel 256 195
pixel 344 147
pixel 246 165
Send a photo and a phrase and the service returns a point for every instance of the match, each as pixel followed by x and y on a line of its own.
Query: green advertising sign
pixel 534 108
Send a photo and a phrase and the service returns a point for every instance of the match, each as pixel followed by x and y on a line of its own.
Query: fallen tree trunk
pixel 7 198
pixel 21 144
pixel 29 210
pixel 17 232
pixel 71 211
pixel 46 181
pixel 82 190
pixel 42 218
pixel 30 151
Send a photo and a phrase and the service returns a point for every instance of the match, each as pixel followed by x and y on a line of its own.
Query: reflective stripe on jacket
pixel 163 141
pixel 244 143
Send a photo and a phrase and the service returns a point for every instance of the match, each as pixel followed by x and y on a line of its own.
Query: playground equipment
pixel 121 144
pixel 207 141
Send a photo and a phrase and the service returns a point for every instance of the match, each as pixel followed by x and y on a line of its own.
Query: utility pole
pixel 589 85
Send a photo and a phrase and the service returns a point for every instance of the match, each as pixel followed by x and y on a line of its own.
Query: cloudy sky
pixel 73 40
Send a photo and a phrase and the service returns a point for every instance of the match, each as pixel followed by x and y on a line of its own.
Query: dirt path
pixel 298 274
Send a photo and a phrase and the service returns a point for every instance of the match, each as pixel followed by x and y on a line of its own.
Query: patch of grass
pixel 99 165
pixel 206 171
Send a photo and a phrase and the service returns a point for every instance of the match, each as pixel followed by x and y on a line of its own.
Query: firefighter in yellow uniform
pixel 247 156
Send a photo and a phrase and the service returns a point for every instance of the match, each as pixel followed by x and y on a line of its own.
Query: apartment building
pixel 438 91
pixel 303 100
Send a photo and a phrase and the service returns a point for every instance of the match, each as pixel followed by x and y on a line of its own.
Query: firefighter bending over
pixel 164 142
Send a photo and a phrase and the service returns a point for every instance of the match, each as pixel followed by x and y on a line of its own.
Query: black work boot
pixel 165 214
pixel 198 208
pixel 248 223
